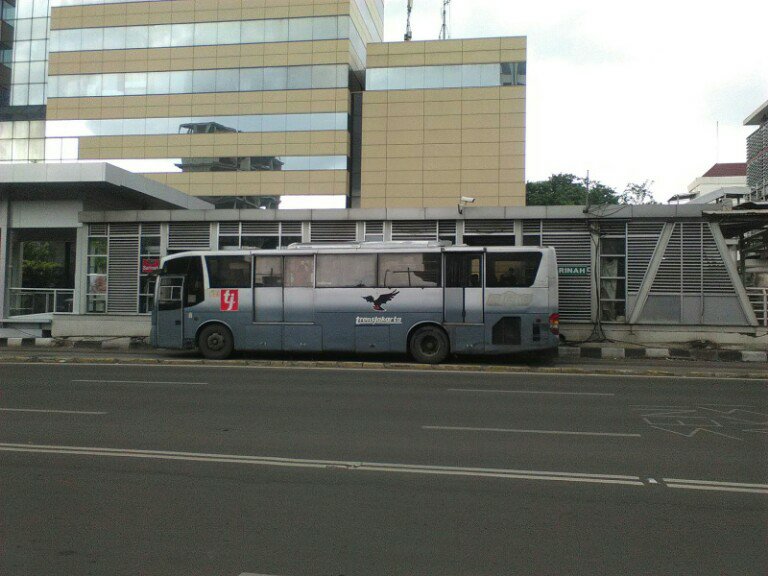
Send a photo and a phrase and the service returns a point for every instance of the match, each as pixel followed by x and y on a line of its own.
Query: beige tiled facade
pixel 430 147
pixel 363 15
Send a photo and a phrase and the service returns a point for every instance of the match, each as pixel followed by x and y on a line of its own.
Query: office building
pixel 443 120
pixel 240 101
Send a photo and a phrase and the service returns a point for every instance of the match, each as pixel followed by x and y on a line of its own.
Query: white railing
pixel 25 301
pixel 759 299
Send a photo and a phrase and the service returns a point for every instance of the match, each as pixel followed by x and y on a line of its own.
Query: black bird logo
pixel 383 299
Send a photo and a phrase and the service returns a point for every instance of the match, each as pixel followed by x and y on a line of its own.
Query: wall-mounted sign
pixel 574 270
pixel 149 265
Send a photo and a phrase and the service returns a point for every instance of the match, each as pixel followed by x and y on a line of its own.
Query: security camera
pixel 467 199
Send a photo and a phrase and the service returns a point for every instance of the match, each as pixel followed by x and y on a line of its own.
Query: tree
pixel 638 193
pixel 40 269
pixel 567 189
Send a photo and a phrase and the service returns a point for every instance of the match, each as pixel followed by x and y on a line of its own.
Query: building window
pixel 450 76
pixel 149 259
pixel 262 235
pixel 98 257
pixel 613 278
pixel 199 81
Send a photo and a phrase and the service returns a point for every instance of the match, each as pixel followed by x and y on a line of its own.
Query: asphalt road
pixel 216 470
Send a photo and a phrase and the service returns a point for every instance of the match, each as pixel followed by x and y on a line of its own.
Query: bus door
pixel 268 289
pixel 266 333
pixel 169 323
pixel 463 292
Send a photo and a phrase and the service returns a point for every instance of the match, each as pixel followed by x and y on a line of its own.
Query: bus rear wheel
pixel 216 342
pixel 429 345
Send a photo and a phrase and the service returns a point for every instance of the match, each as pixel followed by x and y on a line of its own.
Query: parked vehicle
pixel 429 299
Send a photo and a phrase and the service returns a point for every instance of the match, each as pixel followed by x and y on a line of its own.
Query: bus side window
pixel 268 271
pixel 229 271
pixel 194 289
pixel 346 270
pixel 516 270
pixel 462 270
pixel 399 270
pixel 299 271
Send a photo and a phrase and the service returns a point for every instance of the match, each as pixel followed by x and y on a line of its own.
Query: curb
pixel 591 352
pixel 709 355
pixel 111 344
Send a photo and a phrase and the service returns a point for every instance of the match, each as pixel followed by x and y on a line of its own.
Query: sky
pixel 655 91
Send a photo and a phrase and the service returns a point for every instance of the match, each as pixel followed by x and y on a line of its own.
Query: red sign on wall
pixel 230 300
pixel 149 265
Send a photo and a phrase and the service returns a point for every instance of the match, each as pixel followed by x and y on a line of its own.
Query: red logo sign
pixel 149 265
pixel 229 300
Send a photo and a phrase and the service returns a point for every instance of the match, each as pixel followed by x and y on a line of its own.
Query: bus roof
pixel 308 248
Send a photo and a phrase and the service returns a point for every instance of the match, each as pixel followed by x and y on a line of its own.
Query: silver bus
pixel 429 299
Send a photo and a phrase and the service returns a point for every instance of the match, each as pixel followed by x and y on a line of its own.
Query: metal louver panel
pixel 447 227
pixel 374 228
pixel 642 240
pixel 229 228
pixel 123 286
pixel 189 236
pixel 716 279
pixel 97 229
pixel 693 263
pixel 668 276
pixel 531 226
pixel 575 292
pixel 489 227
pixel 564 226
pixel 333 231
pixel 613 228
pixel 291 228
pixel 266 228
pixel 414 230
pixel 692 258
pixel 123 229
pixel 150 229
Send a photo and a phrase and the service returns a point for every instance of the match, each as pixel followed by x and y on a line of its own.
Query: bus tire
pixel 429 345
pixel 216 342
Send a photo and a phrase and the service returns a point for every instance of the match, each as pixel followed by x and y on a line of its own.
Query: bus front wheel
pixel 429 345
pixel 216 342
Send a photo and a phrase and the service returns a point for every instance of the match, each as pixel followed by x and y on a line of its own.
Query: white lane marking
pixel 84 412
pixel 749 488
pixel 522 431
pixel 328 464
pixel 140 382
pixel 532 392
pixel 718 488
pixel 717 483
pixel 652 481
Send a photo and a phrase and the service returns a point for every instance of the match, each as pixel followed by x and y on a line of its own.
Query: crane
pixel 408 33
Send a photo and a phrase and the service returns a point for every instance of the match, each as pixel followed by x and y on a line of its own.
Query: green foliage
pixel 39 268
pixel 638 193
pixel 568 190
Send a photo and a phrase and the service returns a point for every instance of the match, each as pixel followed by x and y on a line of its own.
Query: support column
pixel 5 232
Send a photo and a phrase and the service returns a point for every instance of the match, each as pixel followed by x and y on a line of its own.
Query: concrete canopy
pixel 99 185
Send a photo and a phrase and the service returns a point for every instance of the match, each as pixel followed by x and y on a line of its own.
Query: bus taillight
pixel 554 323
